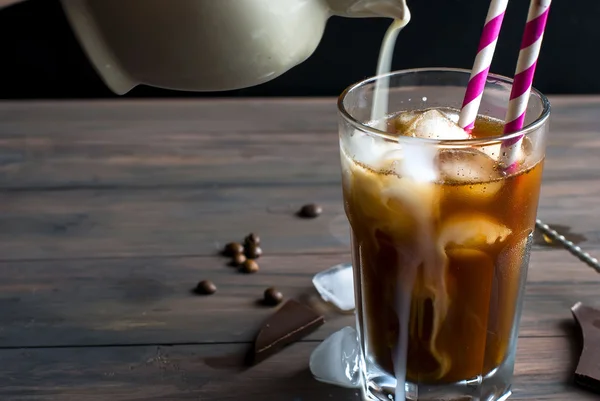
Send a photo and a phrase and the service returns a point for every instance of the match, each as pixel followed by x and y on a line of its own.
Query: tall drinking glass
pixel 441 235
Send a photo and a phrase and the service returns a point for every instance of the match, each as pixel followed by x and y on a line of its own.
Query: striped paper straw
pixel 481 66
pixel 523 80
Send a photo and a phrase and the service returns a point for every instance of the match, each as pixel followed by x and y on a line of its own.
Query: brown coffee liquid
pixel 464 300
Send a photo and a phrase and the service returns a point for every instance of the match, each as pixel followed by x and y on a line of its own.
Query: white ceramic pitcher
pixel 206 45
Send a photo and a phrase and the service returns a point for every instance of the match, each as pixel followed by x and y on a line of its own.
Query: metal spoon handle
pixel 569 246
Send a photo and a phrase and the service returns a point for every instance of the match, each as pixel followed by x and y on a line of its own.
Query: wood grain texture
pixel 212 372
pixel 149 144
pixel 98 179
pixel 110 212
pixel 148 300
pixel 65 224
pixel 101 223
pixel 219 142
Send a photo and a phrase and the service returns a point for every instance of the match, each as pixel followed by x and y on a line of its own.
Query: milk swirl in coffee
pixel 439 237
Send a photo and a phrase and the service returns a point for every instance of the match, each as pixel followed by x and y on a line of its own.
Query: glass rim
pixel 528 129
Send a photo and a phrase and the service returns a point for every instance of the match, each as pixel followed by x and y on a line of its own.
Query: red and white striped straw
pixel 523 80
pixel 481 66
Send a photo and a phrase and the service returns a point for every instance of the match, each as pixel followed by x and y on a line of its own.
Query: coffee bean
pixel 272 296
pixel 310 211
pixel 249 266
pixel 205 287
pixel 238 259
pixel 253 252
pixel 232 249
pixel 252 239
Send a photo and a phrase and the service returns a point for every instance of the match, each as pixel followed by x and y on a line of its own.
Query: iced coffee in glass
pixel 441 233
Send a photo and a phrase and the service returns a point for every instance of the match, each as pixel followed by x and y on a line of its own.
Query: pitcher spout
pixel 396 9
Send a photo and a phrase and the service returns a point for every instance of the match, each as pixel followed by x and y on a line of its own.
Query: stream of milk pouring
pixel 378 114
pixel 384 66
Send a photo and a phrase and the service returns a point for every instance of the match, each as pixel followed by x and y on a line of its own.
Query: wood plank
pixel 255 173
pixel 96 223
pixel 116 158
pixel 189 115
pixel 210 373
pixel 101 200
pixel 148 300
pixel 149 143
pixel 202 143
pixel 166 222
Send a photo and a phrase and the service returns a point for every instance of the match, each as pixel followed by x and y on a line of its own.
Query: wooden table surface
pixel 110 212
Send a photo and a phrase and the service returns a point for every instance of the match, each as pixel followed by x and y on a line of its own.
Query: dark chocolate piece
pixel 292 322
pixel 587 373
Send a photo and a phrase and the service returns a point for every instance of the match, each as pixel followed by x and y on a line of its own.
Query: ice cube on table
pixel 336 286
pixel 434 124
pixel 337 359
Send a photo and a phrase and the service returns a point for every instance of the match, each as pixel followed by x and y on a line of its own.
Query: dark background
pixel 40 57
